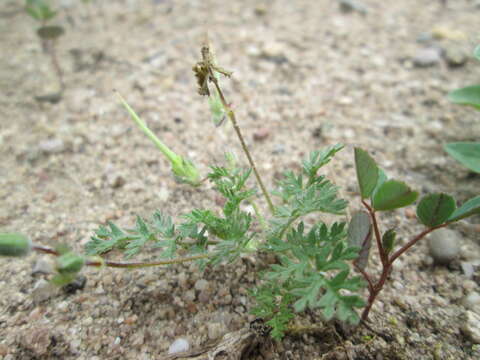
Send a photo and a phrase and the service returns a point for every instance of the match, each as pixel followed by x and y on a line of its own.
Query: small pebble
pixel 348 6
pixel 201 284
pixel 261 134
pixel 116 181
pixel 43 290
pixel 472 301
pixel 427 57
pixel 42 266
pixel 179 345
pixel 52 146
pixel 75 285
pixel 215 330
pixel 455 57
pixel 468 267
pixel 443 246
pixel 471 326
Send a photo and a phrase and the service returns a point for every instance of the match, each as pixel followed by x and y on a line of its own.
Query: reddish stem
pixel 130 265
pixel 387 262
pixel 378 237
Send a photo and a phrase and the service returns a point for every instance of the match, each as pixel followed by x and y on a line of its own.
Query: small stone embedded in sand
pixel 427 57
pixel 443 246
pixel 179 345
pixel 471 326
pixel 261 134
pixel 43 290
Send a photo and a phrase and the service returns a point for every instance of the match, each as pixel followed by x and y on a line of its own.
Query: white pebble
pixel 179 345
pixel 444 246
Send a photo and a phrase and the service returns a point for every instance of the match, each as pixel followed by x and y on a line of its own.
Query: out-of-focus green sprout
pixel 14 244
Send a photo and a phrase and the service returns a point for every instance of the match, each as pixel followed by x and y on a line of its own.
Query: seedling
pixel 41 11
pixel 467 153
pixel 314 262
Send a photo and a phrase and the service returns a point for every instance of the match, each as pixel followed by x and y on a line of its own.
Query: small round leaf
pixel 435 209
pixel 392 195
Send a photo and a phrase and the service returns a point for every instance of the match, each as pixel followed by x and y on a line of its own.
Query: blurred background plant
pixel 467 153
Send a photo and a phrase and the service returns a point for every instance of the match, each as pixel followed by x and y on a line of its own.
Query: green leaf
pixel 388 240
pixel 14 244
pixel 367 172
pixel 360 235
pixel 476 52
pixel 39 10
pixel 382 177
pixel 392 195
pixel 471 207
pixel 217 110
pixel 69 263
pixel 469 95
pixel 467 153
pixel 50 32
pixel 182 168
pixel 318 159
pixel 435 209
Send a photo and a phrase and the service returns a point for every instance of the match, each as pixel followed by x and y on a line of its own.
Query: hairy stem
pixel 125 265
pixel 378 237
pixel 375 289
pixel 56 65
pixel 231 116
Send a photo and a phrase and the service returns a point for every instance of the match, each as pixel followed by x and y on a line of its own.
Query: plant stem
pixel 412 242
pixel 231 116
pixel 136 265
pixel 378 237
pixel 56 65
pixel 132 265
pixel 375 289
pixel 366 277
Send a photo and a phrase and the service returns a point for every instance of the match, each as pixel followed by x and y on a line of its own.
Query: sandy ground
pixel 306 74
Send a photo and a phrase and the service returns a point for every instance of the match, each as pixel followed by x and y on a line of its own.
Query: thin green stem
pixel 174 158
pixel 231 116
pixel 261 219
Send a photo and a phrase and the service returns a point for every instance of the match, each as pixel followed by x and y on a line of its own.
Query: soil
pixel 307 74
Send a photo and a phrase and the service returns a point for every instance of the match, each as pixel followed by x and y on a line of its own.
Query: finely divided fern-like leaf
pixel 313 273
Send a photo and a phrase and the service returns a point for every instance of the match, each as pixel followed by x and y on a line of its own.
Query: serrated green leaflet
pixel 435 209
pixel 469 95
pixel 471 207
pixel 367 172
pixel 392 195
pixel 467 153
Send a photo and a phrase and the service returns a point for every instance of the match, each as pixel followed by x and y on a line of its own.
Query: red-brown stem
pixel 374 290
pixel 412 242
pixel 378 237
pixel 45 250
pixel 132 265
pixel 366 277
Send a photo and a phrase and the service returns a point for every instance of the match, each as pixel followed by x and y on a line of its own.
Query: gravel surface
pixel 307 74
